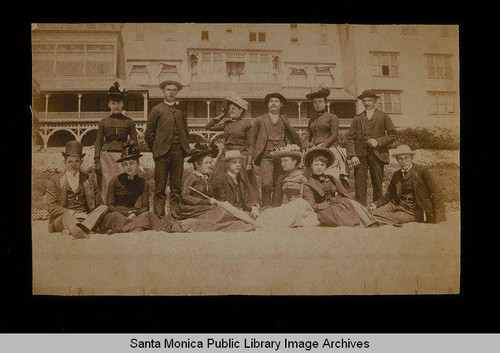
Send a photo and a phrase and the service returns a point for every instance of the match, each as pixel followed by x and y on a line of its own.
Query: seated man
pixel 412 192
pixel 128 199
pixel 229 187
pixel 73 199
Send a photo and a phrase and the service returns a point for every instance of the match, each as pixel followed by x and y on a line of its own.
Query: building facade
pixel 74 66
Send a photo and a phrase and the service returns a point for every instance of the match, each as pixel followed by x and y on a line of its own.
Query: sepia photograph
pixel 268 159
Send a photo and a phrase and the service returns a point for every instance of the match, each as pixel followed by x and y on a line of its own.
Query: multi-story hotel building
pixel 74 66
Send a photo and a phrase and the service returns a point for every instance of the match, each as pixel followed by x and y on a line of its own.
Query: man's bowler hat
pixel 275 95
pixel 369 93
pixel 73 149
pixel 170 82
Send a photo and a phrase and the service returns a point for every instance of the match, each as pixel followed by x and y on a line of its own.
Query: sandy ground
pixel 414 259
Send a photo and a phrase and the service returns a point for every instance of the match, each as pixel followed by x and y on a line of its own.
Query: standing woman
pixel 236 133
pixel 328 197
pixel 112 135
pixel 323 131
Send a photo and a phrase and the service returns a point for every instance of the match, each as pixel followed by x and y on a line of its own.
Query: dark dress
pixel 198 215
pixel 236 133
pixel 127 196
pixel 331 201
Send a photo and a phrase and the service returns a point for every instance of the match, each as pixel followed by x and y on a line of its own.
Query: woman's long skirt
pixel 110 169
pixel 296 213
pixel 345 212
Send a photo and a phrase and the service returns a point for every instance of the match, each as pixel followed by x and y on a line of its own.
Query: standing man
pixel 73 199
pixel 167 137
pixel 412 192
pixel 268 133
pixel 366 143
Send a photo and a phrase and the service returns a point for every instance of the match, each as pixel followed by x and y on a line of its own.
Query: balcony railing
pixel 85 116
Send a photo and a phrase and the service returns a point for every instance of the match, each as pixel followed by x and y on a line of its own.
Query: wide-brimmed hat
pixel 319 151
pixel 275 95
pixel 170 82
pixel 403 149
pixel 369 93
pixel 288 151
pixel 240 102
pixel 130 151
pixel 233 154
pixel 115 94
pixel 319 92
pixel 73 148
pixel 202 150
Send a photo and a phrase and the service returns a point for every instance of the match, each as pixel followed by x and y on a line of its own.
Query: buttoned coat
pixel 259 135
pixel 325 131
pixel 56 195
pixel 427 193
pixel 225 189
pixel 383 131
pixel 159 129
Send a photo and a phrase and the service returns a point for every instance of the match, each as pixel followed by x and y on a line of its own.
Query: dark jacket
pixel 225 189
pixel 113 132
pixel 56 195
pixel 159 129
pixel 314 194
pixel 258 137
pixel 124 195
pixel 383 131
pixel 323 129
pixel 427 193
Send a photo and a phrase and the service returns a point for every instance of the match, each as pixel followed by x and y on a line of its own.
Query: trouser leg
pixel 390 213
pixel 176 171
pixel 161 175
pixel 94 218
pixel 65 221
pixel 113 222
pixel 266 175
pixel 278 171
pixel 360 177
pixel 376 174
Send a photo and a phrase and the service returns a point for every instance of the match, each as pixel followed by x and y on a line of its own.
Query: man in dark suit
pixel 73 199
pixel 167 137
pixel 366 143
pixel 412 193
pixel 268 133
pixel 229 187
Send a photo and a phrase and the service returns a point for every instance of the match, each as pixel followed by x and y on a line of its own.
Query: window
pixel 235 70
pixel 204 35
pixel 323 39
pixel 442 103
pixel 385 64
pixel 73 59
pixel 168 72
pixel 252 36
pixel 139 31
pixel 262 36
pixel 409 30
pixel 389 102
pixel 140 75
pixel 439 66
pixel 294 33
pixel 324 76
pixel 193 62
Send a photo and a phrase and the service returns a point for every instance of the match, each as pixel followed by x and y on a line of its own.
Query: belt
pixel 408 200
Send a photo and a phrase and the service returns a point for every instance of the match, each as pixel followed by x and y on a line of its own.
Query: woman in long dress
pixel 323 131
pixel 294 210
pixel 112 135
pixel 328 197
pixel 235 135
pixel 201 213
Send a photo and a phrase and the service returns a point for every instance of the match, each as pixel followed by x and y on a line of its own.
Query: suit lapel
pixel 399 185
pixel 63 185
pixel 316 186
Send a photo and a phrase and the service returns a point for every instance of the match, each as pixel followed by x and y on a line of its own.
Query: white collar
pixel 73 180
pixel 171 104
pixel 274 116
pixel 233 176
pixel 369 112
pixel 201 175
pixel 407 170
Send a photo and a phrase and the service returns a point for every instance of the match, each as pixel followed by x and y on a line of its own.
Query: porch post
pixel 79 106
pixel 47 106
pixel 300 115
pixel 208 110
pixel 145 96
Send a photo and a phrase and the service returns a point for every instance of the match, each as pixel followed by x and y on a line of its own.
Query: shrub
pixel 425 138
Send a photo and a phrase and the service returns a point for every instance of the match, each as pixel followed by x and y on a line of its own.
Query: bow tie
pixel 204 176
pixel 131 177
pixel 322 178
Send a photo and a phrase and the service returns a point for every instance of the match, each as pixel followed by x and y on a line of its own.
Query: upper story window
pixel 233 67
pixel 323 34
pixel 204 35
pixel 409 29
pixel 254 36
pixel 442 103
pixel 385 64
pixel 439 66
pixel 73 59
pixel 389 102
pixel 168 72
pixel 324 76
pixel 140 75
pixel 262 36
pixel 294 38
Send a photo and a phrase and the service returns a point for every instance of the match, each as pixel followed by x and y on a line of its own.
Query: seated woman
pixel 200 213
pixel 328 197
pixel 294 211
pixel 128 200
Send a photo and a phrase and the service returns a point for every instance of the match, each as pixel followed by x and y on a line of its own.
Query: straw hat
pixel 403 149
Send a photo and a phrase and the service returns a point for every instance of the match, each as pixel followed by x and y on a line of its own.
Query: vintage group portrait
pixel 245 159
